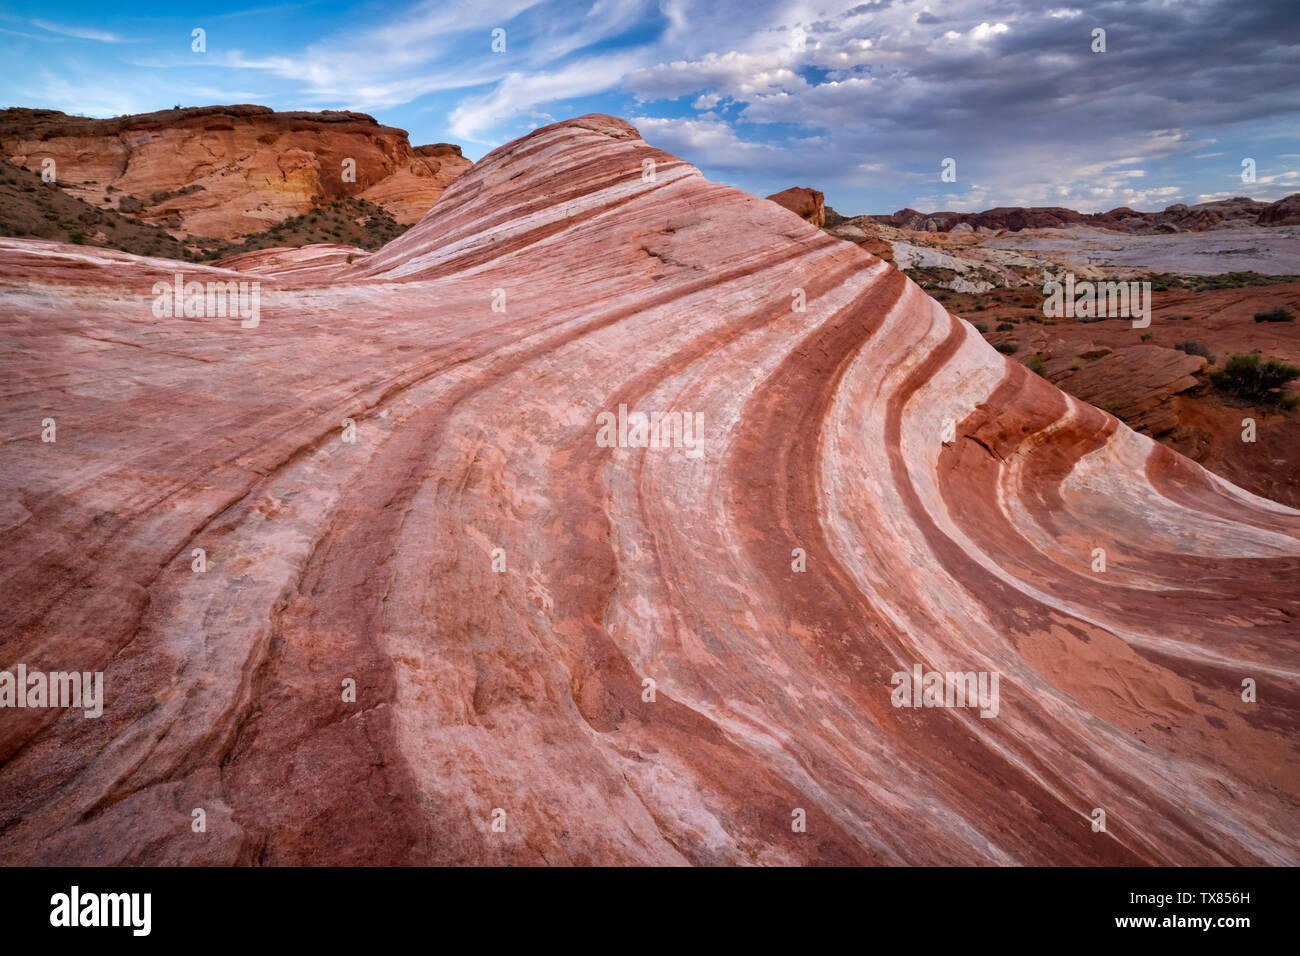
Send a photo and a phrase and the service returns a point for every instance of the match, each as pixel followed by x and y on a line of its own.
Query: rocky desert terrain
pixel 373 580
pixel 1213 268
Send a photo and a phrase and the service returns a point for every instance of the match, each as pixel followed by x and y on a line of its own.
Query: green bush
pixel 1278 314
pixel 1007 348
pixel 1006 327
pixel 1251 379
pixel 1192 347
pixel 980 327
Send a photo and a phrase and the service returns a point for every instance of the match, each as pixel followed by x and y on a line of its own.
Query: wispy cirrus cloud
pixel 74 32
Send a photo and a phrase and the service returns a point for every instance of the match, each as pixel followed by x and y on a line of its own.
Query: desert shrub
pixel 1192 347
pixel 1278 314
pixel 980 327
pixel 1007 348
pixel 1147 336
pixel 1035 364
pixel 1252 379
pixel 1006 327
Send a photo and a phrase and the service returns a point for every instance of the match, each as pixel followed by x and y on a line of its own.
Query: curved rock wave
pixel 569 648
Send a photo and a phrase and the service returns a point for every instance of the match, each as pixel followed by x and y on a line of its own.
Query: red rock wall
pixel 257 167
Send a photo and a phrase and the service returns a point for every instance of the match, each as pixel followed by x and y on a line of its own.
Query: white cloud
pixel 984 31
pixel 99 36
pixel 698 137
pixel 518 93
pixel 739 75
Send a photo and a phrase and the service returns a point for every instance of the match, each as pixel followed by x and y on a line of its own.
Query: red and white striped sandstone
pixel 522 690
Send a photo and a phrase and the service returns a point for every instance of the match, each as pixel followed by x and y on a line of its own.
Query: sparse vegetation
pixel 163 196
pixel 981 328
pixel 1278 314
pixel 1192 347
pixel 27 210
pixel 354 222
pixel 1167 282
pixel 1007 348
pixel 931 277
pixel 1251 378
pixel 1006 327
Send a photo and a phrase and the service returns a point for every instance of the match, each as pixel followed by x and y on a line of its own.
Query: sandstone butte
pixel 809 204
pixel 256 167
pixel 522 690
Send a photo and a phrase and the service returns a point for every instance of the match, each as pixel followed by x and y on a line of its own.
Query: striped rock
pixel 565 652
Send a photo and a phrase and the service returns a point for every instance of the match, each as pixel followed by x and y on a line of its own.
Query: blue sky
pixel 863 100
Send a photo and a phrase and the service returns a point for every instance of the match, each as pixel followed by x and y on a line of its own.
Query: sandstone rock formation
pixel 807 204
pixel 1165 394
pixel 865 232
pixel 224 171
pixel 1136 383
pixel 877 489
pixel 320 260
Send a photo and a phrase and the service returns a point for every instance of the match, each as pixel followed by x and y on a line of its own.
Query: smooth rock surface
pixel 1135 383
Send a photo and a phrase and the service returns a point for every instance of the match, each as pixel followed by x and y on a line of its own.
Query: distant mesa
pixel 1221 214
